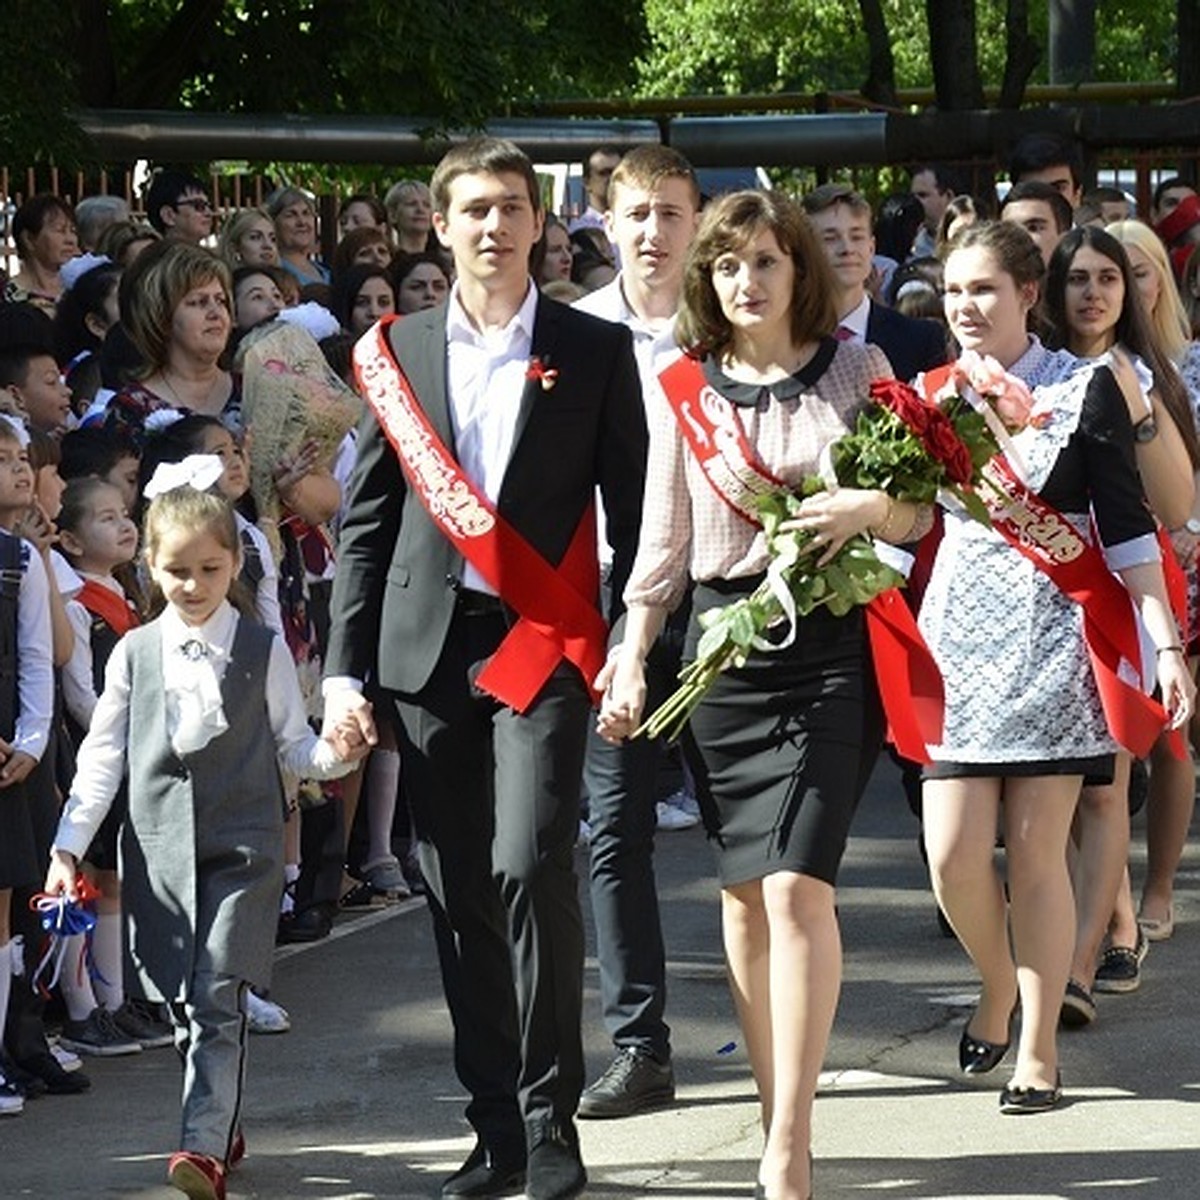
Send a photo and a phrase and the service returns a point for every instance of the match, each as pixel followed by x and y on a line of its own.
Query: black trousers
pixel 621 791
pixel 495 804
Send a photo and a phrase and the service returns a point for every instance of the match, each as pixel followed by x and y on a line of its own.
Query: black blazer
pixel 395 586
pixel 911 345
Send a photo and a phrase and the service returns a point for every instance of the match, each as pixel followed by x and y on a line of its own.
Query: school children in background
pixel 195 434
pixel 105 453
pixel 215 702
pixel 26 705
pixel 99 539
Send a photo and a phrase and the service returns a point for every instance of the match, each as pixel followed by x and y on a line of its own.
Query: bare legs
pixel 960 826
pixel 785 956
pixel 1103 839
pixel 1168 817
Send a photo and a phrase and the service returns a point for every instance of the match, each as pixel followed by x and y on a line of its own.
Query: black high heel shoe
pixel 978 1057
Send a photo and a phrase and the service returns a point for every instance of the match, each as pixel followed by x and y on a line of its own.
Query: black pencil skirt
pixel 782 748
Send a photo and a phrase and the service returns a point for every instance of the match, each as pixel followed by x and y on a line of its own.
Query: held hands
pixel 622 680
pixel 833 517
pixel 348 724
pixel 1178 687
pixel 16 765
pixel 60 878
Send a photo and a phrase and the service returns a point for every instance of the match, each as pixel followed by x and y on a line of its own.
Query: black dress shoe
pixel 55 1081
pixel 308 925
pixel 485 1174
pixel 555 1168
pixel 978 1057
pixel 1017 1100
pixel 634 1082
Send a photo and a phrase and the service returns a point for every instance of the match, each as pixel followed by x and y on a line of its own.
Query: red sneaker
pixel 237 1151
pixel 197 1176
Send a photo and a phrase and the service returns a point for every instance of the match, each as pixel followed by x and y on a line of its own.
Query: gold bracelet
pixel 880 531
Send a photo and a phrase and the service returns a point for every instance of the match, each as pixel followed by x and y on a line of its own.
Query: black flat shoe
pixel 978 1057
pixel 1017 1100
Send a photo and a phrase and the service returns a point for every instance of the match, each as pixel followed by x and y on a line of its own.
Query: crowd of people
pixel 457 500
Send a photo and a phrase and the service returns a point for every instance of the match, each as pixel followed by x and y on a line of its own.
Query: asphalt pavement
pixel 359 1101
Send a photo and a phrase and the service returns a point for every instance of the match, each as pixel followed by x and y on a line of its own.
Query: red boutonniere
pixel 546 376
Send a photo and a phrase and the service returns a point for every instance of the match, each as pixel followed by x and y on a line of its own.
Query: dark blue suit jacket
pixel 911 345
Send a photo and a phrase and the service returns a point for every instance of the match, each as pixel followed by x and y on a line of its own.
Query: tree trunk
pixel 953 55
pixel 1072 41
pixel 157 77
pixel 1021 54
pixel 880 85
pixel 1188 69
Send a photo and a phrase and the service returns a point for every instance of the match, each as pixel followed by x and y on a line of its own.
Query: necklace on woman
pixel 196 406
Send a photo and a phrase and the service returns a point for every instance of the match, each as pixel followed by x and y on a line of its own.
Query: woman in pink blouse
pixel 782 747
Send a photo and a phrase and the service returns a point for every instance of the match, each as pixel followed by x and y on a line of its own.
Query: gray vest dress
pixel 204 836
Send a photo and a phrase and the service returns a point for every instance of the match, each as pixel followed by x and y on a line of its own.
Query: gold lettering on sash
pixel 447 493
pixel 1035 527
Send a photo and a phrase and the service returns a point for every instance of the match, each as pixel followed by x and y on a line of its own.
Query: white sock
pixel 106 954
pixel 6 977
pixel 291 872
pixel 74 981
pixel 382 785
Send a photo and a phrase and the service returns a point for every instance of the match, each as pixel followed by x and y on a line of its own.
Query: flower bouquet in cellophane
pixel 904 445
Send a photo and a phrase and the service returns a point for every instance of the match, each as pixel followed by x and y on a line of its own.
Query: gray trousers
pixel 210 1034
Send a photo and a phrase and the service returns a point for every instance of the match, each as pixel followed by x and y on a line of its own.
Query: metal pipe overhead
pixel 121 135
pixel 824 139
pixel 794 140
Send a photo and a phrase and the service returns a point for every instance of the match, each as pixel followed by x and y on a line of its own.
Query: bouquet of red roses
pixel 912 449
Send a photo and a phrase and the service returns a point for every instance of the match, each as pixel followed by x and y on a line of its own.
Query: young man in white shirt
pixel 652 213
pixel 493 420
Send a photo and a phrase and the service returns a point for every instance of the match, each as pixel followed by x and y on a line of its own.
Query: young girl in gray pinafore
pixel 215 704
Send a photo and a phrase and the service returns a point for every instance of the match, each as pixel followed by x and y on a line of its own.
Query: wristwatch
pixel 1192 525
pixel 1146 430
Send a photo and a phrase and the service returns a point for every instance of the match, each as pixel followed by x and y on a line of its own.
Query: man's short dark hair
pixel 829 195
pixel 167 187
pixel 26 333
pixel 945 178
pixel 607 149
pixel 1035 189
pixel 487 156
pixel 1037 151
pixel 1166 185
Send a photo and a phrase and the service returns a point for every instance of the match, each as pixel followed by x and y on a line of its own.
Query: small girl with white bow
pixel 216 708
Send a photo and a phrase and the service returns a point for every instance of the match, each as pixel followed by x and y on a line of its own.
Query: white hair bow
pixel 199 471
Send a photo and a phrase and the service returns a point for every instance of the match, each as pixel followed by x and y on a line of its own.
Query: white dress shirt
pixel 266 596
pixel 856 320
pixel 485 379
pixel 78 677
pixel 100 765
pixel 35 666
pixel 654 348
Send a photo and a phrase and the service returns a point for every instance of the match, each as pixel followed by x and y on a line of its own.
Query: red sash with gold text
pixel 1078 570
pixel 556 605
pixel 910 684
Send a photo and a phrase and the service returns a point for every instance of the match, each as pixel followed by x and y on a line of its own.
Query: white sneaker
pixel 685 802
pixel 670 818
pixel 64 1057
pixel 265 1016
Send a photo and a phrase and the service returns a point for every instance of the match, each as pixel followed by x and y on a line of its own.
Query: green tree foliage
pixel 732 47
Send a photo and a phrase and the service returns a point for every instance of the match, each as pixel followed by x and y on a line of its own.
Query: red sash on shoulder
pixel 1078 570
pixel 558 614
pixel 910 684
pixel 104 603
